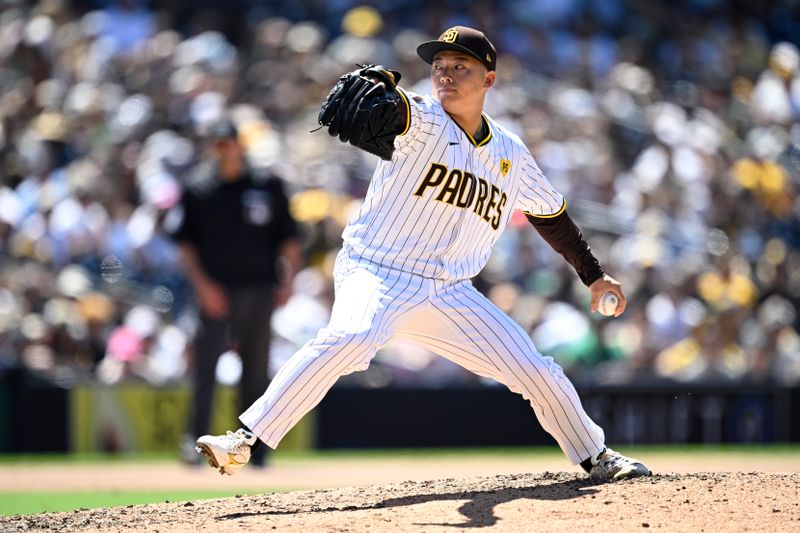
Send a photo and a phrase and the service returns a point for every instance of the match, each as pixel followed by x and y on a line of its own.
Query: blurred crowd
pixel 671 128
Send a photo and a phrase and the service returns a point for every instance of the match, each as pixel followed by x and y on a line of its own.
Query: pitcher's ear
pixel 490 78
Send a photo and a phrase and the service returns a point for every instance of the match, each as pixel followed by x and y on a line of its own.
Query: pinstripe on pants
pixel 450 318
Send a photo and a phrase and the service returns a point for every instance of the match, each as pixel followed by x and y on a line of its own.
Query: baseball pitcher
pixel 447 183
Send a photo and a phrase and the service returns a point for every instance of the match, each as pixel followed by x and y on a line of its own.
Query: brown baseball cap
pixel 461 39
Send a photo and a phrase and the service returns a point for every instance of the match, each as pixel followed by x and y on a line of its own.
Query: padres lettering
pixel 463 190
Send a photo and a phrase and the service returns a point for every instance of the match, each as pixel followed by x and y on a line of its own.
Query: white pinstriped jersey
pixel 428 223
pixel 437 208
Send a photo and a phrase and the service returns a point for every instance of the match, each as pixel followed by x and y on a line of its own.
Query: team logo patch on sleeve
pixel 505 166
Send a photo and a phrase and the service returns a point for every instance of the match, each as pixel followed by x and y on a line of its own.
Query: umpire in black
pixel 239 248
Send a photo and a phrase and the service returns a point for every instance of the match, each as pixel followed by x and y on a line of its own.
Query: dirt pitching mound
pixel 543 502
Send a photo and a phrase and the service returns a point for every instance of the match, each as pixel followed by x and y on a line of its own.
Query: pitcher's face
pixel 458 79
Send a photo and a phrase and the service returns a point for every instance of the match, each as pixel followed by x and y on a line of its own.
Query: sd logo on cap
pixel 450 35
pixel 461 39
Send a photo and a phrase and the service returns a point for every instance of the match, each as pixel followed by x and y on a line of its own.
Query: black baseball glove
pixel 365 109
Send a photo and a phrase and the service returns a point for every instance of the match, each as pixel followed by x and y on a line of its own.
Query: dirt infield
pixel 518 502
pixel 394 493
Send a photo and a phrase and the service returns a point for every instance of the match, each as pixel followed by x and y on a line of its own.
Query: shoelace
pixel 612 458
pixel 236 438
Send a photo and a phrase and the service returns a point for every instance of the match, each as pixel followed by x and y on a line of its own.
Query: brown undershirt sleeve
pixel 564 237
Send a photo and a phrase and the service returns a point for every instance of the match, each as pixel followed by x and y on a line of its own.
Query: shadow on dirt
pixel 478 510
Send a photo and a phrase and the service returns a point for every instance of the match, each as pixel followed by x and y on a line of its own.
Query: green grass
pixel 715 449
pixel 12 503
pixel 389 453
pixel 16 503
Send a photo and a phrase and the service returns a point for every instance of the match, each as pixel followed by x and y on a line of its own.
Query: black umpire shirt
pixel 236 227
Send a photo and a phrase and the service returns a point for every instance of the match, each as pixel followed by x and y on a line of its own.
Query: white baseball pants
pixel 451 319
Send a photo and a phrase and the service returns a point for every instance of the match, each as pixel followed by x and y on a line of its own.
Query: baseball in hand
pixel 608 304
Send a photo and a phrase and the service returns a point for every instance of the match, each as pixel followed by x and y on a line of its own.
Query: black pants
pixel 247 327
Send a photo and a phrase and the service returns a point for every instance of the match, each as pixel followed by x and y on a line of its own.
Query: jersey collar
pixel 485 140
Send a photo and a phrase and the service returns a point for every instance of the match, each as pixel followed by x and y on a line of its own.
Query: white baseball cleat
pixel 613 465
pixel 228 452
